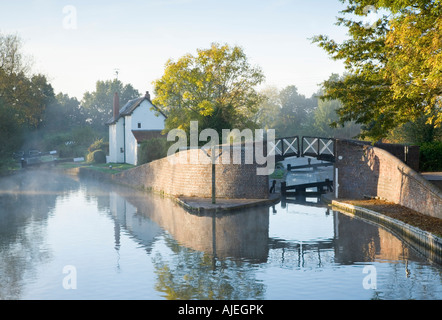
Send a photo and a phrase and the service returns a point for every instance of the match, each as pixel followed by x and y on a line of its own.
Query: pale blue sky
pixel 138 37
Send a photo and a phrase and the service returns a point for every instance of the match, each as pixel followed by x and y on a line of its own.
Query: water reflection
pixel 212 250
pixel 26 201
pixel 288 251
pixel 202 245
pixel 358 241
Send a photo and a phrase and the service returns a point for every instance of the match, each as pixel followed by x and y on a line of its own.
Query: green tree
pixel 416 132
pixel 63 114
pixel 324 118
pixel 295 114
pixel 11 134
pixel 27 96
pixel 97 105
pixel 393 66
pixel 215 87
pixel 269 109
pixel 24 96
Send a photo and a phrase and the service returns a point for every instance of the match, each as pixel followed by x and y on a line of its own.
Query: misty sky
pixel 138 37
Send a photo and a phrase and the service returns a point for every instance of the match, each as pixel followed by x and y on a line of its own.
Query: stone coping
pixel 205 205
pixel 432 176
pixel 423 241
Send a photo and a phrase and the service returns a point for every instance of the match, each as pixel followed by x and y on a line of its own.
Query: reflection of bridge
pixel 317 147
pixel 237 236
pixel 299 254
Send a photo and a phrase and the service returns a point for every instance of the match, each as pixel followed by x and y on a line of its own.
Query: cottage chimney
pixel 147 95
pixel 116 106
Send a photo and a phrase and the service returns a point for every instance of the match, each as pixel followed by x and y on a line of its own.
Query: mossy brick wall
pixel 180 175
pixel 364 170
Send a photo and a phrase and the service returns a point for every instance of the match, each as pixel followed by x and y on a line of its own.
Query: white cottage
pixel 137 121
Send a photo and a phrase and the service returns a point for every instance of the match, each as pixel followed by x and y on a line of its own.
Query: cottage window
pixel 139 125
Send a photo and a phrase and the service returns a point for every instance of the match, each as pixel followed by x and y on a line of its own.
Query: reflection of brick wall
pixel 365 170
pixel 248 232
pixel 185 178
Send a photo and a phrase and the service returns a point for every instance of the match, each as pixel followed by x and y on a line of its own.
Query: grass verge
pixel 406 215
pixel 110 168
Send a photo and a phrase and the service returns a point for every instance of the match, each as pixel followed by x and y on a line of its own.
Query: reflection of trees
pixel 198 267
pixel 197 275
pixel 96 191
pixel 25 201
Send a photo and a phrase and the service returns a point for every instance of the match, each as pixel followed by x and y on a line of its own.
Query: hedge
pixel 431 156
pixel 152 149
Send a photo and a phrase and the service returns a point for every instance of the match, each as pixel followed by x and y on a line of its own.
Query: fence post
pixel 319 147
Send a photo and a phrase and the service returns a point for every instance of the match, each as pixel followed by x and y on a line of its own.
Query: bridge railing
pixel 317 147
pixel 285 147
pixel 320 148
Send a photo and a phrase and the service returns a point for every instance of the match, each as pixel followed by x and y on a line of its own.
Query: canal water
pixel 62 237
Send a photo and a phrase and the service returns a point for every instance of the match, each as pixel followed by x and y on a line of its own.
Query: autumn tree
pixel 12 59
pixel 393 66
pixel 215 87
pixel 27 94
pixel 23 96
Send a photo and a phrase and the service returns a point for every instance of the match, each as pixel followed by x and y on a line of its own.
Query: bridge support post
pixel 336 183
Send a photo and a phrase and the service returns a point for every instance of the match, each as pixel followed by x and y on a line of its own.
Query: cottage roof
pixel 130 106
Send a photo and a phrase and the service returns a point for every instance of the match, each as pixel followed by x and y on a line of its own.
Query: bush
pixel 431 156
pixel 152 149
pixel 99 145
pixel 6 165
pixel 97 156
pixel 70 150
pixel 97 152
pixel 72 143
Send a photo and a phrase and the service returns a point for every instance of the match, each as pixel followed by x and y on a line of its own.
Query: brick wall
pixel 177 175
pixel 364 170
pixel 407 154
